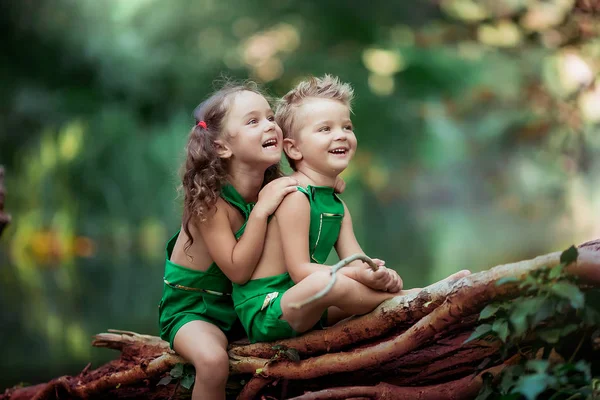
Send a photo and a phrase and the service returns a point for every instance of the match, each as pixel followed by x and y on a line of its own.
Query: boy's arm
pixel 237 259
pixel 347 245
pixel 293 218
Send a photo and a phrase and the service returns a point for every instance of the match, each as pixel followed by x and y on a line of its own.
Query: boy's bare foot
pixel 457 275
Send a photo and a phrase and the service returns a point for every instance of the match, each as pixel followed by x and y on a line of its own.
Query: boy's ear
pixel 291 149
pixel 223 150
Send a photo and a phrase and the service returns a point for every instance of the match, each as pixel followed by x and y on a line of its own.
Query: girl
pixel 231 185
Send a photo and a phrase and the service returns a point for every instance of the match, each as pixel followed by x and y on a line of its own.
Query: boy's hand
pixel 272 194
pixel 339 186
pixel 384 279
pixel 376 280
pixel 395 284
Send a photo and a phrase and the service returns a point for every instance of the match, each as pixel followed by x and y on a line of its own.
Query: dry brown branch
pixel 404 349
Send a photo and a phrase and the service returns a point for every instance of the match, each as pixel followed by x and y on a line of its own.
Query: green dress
pixel 190 295
pixel 257 302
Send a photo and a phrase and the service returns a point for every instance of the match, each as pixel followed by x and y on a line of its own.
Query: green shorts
pixel 186 298
pixel 258 305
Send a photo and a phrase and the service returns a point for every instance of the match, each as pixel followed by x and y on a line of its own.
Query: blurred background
pixel 477 123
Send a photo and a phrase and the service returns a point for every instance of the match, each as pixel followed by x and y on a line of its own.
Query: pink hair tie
pixel 201 124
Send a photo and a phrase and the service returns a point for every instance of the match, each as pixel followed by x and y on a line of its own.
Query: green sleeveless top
pixel 213 280
pixel 326 215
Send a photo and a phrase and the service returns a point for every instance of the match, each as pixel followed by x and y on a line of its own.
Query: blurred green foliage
pixel 477 122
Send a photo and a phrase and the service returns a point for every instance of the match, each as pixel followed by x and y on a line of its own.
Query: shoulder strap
pixel 230 195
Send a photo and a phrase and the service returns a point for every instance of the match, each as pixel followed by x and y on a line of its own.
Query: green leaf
pixel 532 385
pixel 550 335
pixel 259 371
pixel 489 311
pixel 188 381
pixel 487 389
pixel 538 366
pixel 556 271
pixel 509 377
pixel 569 291
pixel 545 311
pixel 522 310
pixel 292 354
pixel 165 380
pixel 506 279
pixel 500 326
pixel 528 282
pixel 177 371
pixel 480 331
pixel 585 368
pixel 569 329
pixel 569 255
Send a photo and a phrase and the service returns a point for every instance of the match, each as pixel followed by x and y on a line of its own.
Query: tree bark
pixel 409 347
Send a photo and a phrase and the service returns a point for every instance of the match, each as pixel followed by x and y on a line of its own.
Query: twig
pixel 335 268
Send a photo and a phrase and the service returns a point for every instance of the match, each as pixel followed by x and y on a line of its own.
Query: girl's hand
pixel 339 186
pixel 272 194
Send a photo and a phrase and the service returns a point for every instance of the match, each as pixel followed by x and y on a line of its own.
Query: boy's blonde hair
pixel 326 87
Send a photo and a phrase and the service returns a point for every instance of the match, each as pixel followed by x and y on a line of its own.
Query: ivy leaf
pixel 556 271
pixel 489 311
pixel 480 331
pixel 177 371
pixel 165 381
pixel 188 381
pixel 551 335
pixel 585 368
pixel 518 316
pixel 528 282
pixel 509 377
pixel 500 326
pixel 487 390
pixel 569 291
pixel 569 329
pixel 569 255
pixel 292 354
pixel 532 385
pixel 545 311
pixel 506 279
pixel 539 366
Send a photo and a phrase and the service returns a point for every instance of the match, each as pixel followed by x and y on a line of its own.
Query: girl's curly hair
pixel 204 172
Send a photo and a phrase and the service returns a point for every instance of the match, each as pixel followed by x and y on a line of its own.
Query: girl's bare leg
pixel 205 346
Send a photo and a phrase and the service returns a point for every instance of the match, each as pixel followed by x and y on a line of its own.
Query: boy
pixel 319 143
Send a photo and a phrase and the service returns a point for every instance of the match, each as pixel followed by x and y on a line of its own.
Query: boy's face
pixel 324 137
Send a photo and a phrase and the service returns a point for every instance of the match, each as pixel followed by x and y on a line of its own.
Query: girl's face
pixel 252 135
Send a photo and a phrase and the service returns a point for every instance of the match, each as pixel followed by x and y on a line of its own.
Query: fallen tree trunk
pixel 409 347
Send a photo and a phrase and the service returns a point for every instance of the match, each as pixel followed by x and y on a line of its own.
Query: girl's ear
pixel 223 149
pixel 291 149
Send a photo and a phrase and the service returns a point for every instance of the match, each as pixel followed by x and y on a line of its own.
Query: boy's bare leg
pixel 336 314
pixel 205 346
pixel 347 294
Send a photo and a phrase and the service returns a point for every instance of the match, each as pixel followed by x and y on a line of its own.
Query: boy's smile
pixel 326 140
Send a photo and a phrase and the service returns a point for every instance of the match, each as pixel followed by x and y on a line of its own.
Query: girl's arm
pixel 238 258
